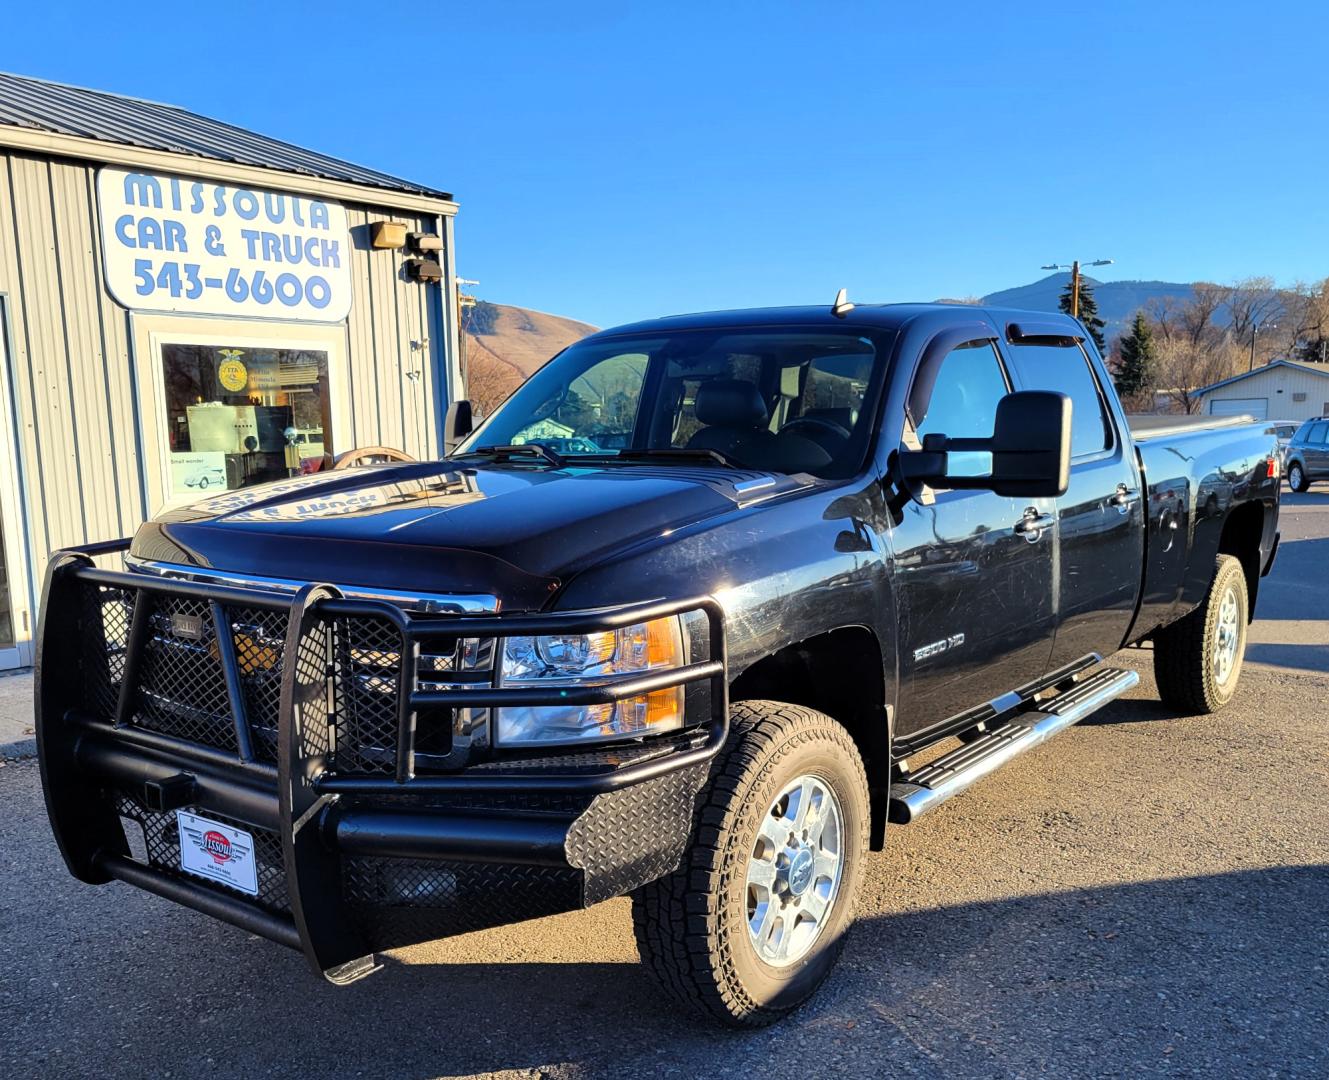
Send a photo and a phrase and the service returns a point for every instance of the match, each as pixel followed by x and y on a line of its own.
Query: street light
pixel 1074 268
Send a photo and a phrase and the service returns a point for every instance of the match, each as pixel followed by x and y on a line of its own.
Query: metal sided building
pixel 1281 390
pixel 187 306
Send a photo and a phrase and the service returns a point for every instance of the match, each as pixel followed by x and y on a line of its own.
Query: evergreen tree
pixel 1313 350
pixel 1088 311
pixel 1137 357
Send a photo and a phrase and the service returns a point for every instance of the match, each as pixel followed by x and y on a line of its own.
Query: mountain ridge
pixel 1118 301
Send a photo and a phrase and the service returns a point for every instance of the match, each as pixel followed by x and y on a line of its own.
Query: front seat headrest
pixel 731 403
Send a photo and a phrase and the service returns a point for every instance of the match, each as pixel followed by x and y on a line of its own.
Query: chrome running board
pixel 917 793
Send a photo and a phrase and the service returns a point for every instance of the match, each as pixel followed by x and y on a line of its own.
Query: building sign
pixel 190 246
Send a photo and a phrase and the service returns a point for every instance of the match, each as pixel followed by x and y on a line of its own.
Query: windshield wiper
pixel 502 454
pixel 665 453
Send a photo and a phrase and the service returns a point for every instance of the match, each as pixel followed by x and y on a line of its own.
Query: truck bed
pixel 1153 426
pixel 1196 469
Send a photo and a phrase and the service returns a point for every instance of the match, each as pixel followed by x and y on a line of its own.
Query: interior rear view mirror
pixel 1030 451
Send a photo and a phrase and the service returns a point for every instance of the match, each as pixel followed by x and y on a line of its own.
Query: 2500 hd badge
pixel 672 623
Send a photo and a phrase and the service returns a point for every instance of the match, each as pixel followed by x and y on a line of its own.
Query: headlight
pixel 568 659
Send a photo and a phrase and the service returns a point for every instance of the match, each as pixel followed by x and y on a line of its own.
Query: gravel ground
pixel 1146 895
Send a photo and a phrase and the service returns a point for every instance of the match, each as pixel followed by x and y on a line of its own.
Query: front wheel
pixel 751 923
pixel 1296 477
pixel 1197 660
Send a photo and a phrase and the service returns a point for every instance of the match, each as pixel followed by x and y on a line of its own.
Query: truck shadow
pixel 1296 588
pixel 1205 974
pixel 1296 657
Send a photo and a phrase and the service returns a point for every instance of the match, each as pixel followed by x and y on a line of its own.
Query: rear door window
pixel 1065 369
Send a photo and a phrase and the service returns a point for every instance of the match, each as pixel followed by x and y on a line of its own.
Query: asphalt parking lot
pixel 1146 895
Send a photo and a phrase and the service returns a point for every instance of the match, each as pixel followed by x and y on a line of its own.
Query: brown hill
pixel 505 345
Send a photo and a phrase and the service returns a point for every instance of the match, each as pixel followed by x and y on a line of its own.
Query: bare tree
pixel 1185 367
pixel 489 380
pixel 1165 315
pixel 1199 317
pixel 1305 322
pixel 1251 304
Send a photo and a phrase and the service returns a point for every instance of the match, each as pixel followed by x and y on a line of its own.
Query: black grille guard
pixel 303 796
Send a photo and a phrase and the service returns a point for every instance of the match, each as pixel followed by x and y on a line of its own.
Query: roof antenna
pixel 842 306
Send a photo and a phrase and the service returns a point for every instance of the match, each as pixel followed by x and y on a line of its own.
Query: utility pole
pixel 1256 326
pixel 463 302
pixel 1074 268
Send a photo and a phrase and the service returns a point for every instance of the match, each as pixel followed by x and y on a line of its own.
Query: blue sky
pixel 617 161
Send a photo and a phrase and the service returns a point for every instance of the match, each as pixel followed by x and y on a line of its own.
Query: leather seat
pixel 736 419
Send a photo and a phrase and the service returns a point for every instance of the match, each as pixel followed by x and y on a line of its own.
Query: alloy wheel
pixel 794 871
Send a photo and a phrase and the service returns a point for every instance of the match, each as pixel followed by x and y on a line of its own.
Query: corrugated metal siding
pixel 75 425
pixel 95 114
pixel 386 344
pixel 76 399
pixel 1267 384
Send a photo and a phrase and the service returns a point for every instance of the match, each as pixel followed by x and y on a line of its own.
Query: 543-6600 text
pixel 187 280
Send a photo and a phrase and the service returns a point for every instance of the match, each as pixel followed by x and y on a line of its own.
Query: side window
pixel 1065 369
pixel 1317 433
pixel 964 397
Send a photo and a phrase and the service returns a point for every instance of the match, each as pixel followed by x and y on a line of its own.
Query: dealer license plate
pixel 217 852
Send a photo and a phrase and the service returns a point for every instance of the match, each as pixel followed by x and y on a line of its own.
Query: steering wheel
pixel 370 455
pixel 817 422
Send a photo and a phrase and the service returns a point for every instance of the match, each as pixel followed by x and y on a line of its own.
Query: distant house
pixel 543 429
pixel 1281 390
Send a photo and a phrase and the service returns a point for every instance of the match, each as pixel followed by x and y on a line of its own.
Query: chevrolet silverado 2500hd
pixel 675 622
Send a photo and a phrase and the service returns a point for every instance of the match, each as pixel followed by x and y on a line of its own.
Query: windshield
pixel 779 400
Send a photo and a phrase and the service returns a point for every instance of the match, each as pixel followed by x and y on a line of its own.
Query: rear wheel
pixel 753 921
pixel 1197 660
pixel 1296 477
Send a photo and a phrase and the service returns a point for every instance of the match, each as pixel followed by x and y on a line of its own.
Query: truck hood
pixel 514 532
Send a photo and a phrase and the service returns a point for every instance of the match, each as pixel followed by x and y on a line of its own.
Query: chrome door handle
pixel 1033 523
pixel 1123 498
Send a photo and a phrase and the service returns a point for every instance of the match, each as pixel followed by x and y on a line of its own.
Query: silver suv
pixel 1307 456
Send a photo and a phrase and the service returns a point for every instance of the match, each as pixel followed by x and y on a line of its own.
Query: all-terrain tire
pixel 692 926
pixel 1190 677
pixel 1296 477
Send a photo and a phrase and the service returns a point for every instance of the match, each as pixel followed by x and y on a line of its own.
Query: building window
pixel 1298 397
pixel 244 415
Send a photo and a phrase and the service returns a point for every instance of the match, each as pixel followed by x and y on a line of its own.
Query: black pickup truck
pixel 677 621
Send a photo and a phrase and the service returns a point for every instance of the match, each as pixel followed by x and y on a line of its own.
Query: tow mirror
pixel 1030 451
pixel 458 424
